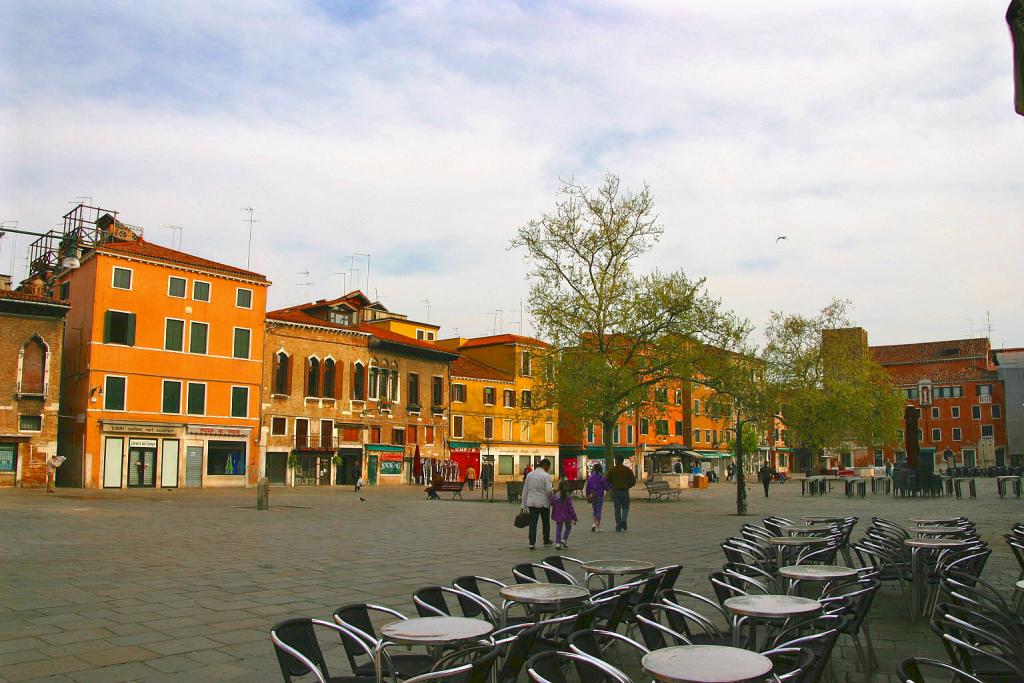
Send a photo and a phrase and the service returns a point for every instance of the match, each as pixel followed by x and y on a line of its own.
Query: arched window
pixel 358 382
pixel 282 373
pixel 328 391
pixel 33 367
pixel 312 376
pixel 374 381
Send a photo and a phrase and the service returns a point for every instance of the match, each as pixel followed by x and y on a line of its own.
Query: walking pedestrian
pixel 564 514
pixel 730 472
pixel 621 479
pixel 536 494
pixel 596 486
pixel 470 477
pixel 765 474
pixel 357 477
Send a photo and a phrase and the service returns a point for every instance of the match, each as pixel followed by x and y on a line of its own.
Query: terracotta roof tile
pixel 388 335
pixel 930 351
pixel 290 315
pixel 145 249
pixel 467 367
pixel 15 295
pixel 911 375
pixel 503 339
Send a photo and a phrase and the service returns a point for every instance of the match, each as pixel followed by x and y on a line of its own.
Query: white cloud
pixel 880 138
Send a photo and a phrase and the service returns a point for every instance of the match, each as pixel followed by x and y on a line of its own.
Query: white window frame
pixel 997 411
pixel 251 294
pixel 936 413
pixel 208 284
pixel 248 349
pixel 629 434
pixel 115 410
pixel 430 336
pixel 954 412
pixel 508 398
pixel 506 430
pixel 231 402
pixel 696 436
pixel 461 431
pixel 976 409
pixel 184 331
pixel 206 349
pixel 494 396
pixel 489 423
pixel 549 432
pixel 696 406
pixel 987 436
pixel 177 277
pixel 283 419
pixel 42 419
pixel 936 435
pixel 526 364
pixel 524 430
pixel 421 335
pixel 206 397
pixel 957 434
pixel 131 278
pixel 181 391
pixel 454 393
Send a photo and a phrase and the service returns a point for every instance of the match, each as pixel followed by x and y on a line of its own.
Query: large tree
pixel 614 333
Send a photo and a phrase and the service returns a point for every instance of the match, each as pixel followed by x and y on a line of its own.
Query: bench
pixel 452 487
pixel 514 490
pixel 660 490
pixel 856 486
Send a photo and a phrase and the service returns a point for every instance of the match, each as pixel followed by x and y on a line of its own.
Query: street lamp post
pixel 741 487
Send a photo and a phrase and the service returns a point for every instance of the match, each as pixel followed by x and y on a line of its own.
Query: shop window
pixel 198 336
pixel 329 375
pixel 239 401
pixel 196 399
pixel 201 291
pixel 174 335
pixel 122 278
pixel 279 426
pixel 225 457
pixel 413 390
pixel 488 428
pixel 8 457
pixel 527 398
pixel 114 389
pixel 358 382
pixel 458 394
pixel 506 465
pixel 490 396
pixel 119 328
pixel 176 287
pixel 243 298
pixel 171 399
pixel 312 376
pixel 30 423
pixel 282 373
pixel 240 344
pixel 457 427
pixel 437 391
pixel 33 367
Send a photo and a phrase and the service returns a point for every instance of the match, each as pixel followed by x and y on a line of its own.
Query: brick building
pixel 31 339
pixel 956 386
pixel 344 395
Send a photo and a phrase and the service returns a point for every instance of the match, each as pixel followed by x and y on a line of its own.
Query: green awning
pixel 715 455
pixel 463 444
pixel 597 452
pixel 384 447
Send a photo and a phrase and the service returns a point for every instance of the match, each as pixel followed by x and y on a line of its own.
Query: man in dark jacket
pixel 621 479
pixel 765 474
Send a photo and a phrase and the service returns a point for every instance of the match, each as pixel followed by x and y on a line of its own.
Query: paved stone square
pixel 183 585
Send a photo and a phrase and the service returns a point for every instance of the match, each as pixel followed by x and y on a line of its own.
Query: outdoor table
pixel 937 530
pixel 884 483
pixel 613 568
pixel 768 607
pixel 434 632
pixel 810 528
pixel 815 572
pixel 935 521
pixel 1003 480
pixel 958 483
pixel 917 575
pixel 553 595
pixel 1020 593
pixel 814 520
pixel 783 542
pixel 706 664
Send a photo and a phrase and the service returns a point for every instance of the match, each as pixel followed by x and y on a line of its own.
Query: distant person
pixel 621 479
pixel 596 486
pixel 537 491
pixel 563 512
pixel 526 472
pixel 730 472
pixel 888 468
pixel 712 476
pixel 765 474
pixel 357 478
pixel 677 467
pixel 470 477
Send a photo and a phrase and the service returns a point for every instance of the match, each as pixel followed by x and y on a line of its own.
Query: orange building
pixel 163 362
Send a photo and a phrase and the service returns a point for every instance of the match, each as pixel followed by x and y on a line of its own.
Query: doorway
pixel 194 466
pixel 141 466
pixel 313 469
pixel 371 469
pixel 277 468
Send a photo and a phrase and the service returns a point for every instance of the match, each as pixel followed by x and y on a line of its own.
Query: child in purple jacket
pixel 563 513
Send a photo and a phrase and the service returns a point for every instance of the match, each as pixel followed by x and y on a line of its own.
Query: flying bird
pixel 779 238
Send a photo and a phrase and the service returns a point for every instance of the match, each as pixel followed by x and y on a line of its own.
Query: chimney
pixel 5 283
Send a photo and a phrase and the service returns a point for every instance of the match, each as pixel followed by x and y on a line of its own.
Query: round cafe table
pixel 935 521
pixel 434 632
pixel 551 595
pixel 766 607
pixel 918 573
pixel 783 542
pixel 825 573
pixel 809 528
pixel 813 519
pixel 613 568
pixel 1020 594
pixel 937 530
pixel 706 664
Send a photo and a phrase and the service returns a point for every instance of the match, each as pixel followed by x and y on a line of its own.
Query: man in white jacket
pixel 537 500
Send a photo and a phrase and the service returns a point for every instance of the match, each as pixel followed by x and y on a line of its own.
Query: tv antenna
pixel 426 302
pixel 988 325
pixel 307 284
pixel 250 220
pixel 80 199
pixel 367 269
pixel 175 231
pixel 344 279
pixel 971 321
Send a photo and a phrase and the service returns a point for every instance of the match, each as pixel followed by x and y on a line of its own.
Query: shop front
pixel 512 461
pixel 384 464
pixel 464 454
pixel 169 455
pixel 350 469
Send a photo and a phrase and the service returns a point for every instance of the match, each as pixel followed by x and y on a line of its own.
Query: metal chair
pixel 357 619
pixel 853 600
pixel 821 640
pixel 912 670
pixel 791 664
pixel 654 634
pixel 596 642
pixel 298 651
pixel 524 572
pixel 978 644
pixel 478 670
pixel 430 602
pixel 547 667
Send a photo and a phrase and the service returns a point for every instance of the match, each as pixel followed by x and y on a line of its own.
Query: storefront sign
pixel 392 457
pixel 139 429
pixel 389 467
pixel 199 430
pixel 141 443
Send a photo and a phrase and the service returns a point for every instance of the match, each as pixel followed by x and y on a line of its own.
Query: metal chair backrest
pixel 791 663
pixel 355 617
pixel 655 634
pixel 517 654
pixel 965 639
pixel 619 599
pixel 477 671
pixel 298 651
pixel 669 575
pixel 554 574
pixel 430 601
pixel 825 630
pixel 911 671
pixel 691 623
pixel 860 595
pixel 593 642
pixel 524 573
pixel 546 667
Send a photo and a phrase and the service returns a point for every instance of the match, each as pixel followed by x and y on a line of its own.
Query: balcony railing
pixel 316 442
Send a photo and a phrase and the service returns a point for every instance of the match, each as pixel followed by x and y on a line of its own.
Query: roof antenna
pixel 250 220
pixel 427 303
pixel 988 325
pixel 367 269
pixel 971 321
pixel 344 276
pixel 306 284
pixel 175 230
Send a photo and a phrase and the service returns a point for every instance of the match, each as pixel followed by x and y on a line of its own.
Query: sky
pixel 879 137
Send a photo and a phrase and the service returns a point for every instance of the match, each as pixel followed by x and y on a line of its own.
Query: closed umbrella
pixel 417 465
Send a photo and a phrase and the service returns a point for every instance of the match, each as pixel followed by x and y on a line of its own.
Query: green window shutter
pixel 239 402
pixel 196 399
pixel 241 349
pixel 172 397
pixel 131 329
pixel 106 326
